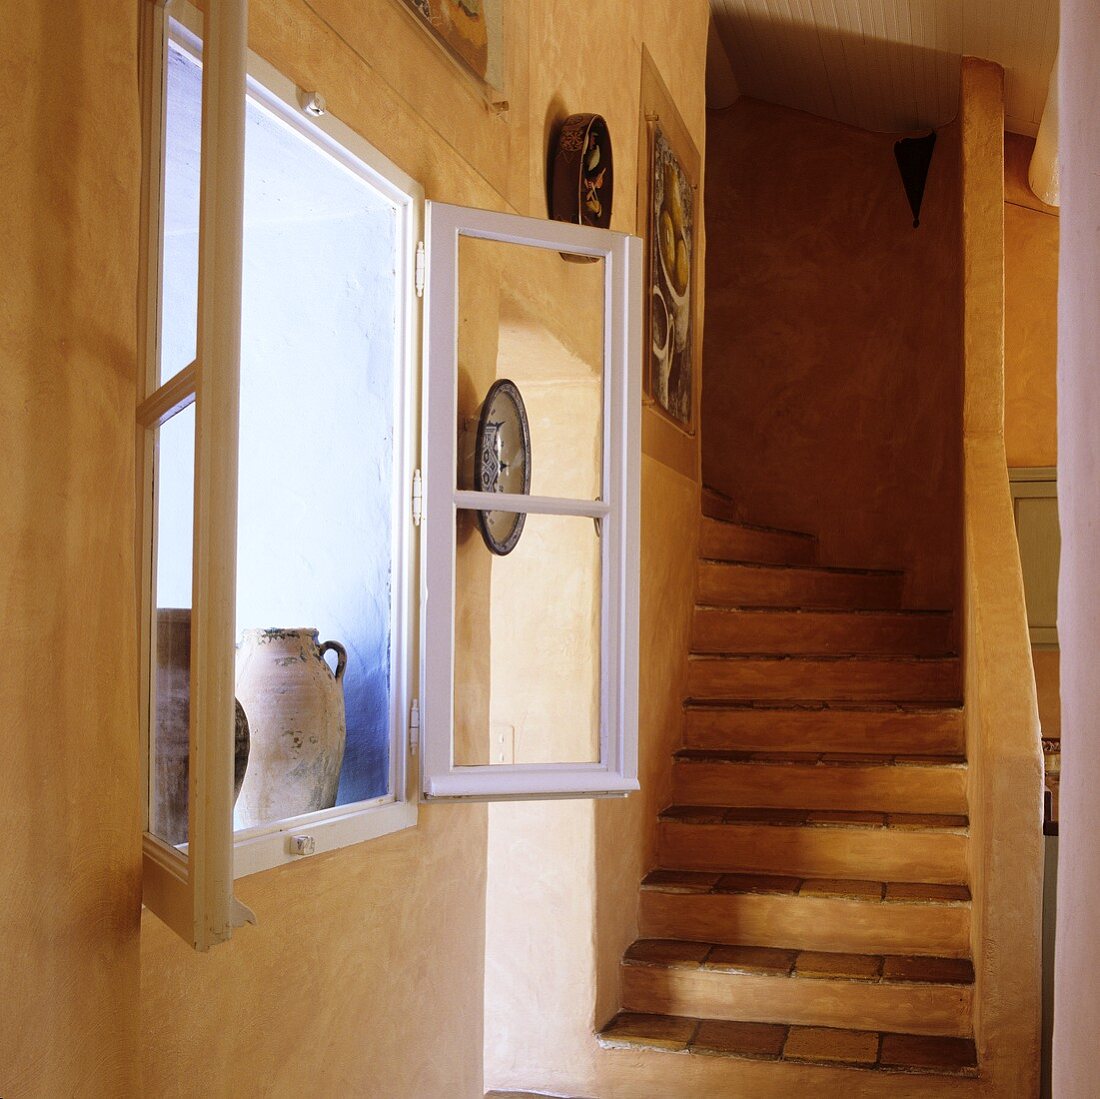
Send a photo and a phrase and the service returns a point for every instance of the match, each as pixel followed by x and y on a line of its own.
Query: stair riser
pixel 733 631
pixel 898 789
pixel 729 542
pixel 858 1005
pixel 767 730
pixel 784 680
pixel 813 923
pixel 883 854
pixel 720 508
pixel 675 1076
pixel 746 586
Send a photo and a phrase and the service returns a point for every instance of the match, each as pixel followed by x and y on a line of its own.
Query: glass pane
pixel 315 523
pixel 171 686
pixel 527 644
pixel 534 317
pixel 180 258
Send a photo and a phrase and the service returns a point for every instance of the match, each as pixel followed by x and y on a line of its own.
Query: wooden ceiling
pixel 888 64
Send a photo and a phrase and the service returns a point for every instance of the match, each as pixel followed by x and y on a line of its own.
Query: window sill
pixel 263 848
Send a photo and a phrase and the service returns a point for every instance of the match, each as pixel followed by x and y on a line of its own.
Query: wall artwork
pixel 471 30
pixel 671 373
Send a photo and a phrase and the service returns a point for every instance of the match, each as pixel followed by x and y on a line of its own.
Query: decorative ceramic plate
pixel 583 178
pixel 502 462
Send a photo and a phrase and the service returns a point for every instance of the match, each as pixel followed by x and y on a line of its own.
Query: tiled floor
pixel 862 1049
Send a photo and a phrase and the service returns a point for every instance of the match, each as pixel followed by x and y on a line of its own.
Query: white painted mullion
pixel 221 223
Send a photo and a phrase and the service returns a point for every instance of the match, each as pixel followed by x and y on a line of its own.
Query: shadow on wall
pixel 832 363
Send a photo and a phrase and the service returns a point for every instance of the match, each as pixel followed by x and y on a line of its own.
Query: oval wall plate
pixel 583 179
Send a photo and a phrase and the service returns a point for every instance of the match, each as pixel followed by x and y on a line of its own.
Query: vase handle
pixel 341 656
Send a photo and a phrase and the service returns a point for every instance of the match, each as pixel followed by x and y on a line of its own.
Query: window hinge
pixel 414 726
pixel 418 498
pixel 420 269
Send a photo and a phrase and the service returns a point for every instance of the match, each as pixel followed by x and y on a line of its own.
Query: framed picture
pixel 471 31
pixel 671 220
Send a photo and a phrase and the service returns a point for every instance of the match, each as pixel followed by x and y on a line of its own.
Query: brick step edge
pixel 828 1047
pixel 795 963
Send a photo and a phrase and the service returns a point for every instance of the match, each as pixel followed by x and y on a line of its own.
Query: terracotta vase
pixel 171 728
pixel 295 707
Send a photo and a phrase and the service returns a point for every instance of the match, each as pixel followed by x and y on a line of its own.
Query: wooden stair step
pixel 717 505
pixel 872 1051
pixel 741 584
pixel 851 915
pixel 826 727
pixel 825 678
pixel 726 540
pixel 779 630
pixel 925 994
pixel 809 780
pixel 823 843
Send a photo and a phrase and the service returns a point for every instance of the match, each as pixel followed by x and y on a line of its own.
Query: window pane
pixel 527 644
pixel 171 702
pixel 180 257
pixel 536 318
pixel 316 488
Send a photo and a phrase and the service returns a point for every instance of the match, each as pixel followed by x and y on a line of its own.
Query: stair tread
pixel 823 658
pixel 850 706
pixel 698 882
pixel 799 963
pixel 814 818
pixel 827 1046
pixel 831 570
pixel 816 759
pixel 758 528
pixel 764 608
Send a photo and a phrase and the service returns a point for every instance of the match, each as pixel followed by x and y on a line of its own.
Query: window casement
pixel 329 629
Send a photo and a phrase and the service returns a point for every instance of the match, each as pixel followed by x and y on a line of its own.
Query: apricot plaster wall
pixel 1031 356
pixel 69 865
pixel 365 973
pixel 1031 314
pixel 1004 761
pixel 831 370
pixel 1076 996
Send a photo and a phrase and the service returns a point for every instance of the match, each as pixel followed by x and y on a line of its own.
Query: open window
pixel 533 410
pixel 295 642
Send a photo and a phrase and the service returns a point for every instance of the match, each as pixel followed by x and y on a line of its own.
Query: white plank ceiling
pixel 888 64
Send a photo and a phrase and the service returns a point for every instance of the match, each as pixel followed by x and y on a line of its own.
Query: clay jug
pixel 172 743
pixel 295 707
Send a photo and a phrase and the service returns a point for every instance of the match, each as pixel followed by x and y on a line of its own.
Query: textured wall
pixel 70 861
pixel 1077 999
pixel 831 370
pixel 1004 761
pixel 364 976
pixel 1031 315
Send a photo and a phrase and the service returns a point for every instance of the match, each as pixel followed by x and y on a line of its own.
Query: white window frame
pixel 618 510
pixel 191 887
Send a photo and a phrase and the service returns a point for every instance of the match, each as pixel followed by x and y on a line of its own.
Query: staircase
pixel 810 904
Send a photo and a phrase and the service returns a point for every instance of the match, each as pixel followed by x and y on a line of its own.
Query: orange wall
pixel 1031 315
pixel 69 869
pixel 832 364
pixel 364 976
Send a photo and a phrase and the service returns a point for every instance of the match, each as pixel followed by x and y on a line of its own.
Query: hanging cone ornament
pixel 914 156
